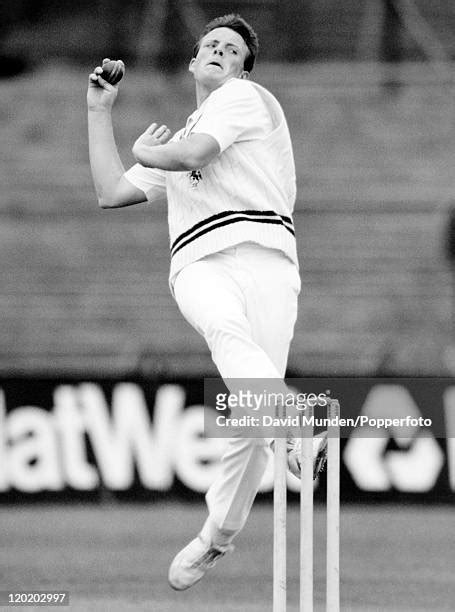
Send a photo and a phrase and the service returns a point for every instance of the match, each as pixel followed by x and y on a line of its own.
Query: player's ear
pixel 191 65
pixel 244 75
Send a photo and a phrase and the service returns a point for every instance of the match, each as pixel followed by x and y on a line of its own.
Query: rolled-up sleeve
pixel 151 181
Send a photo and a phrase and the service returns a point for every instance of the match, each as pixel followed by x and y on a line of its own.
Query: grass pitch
pixel 115 558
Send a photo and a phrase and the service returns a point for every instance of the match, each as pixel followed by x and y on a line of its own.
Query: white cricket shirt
pixel 246 194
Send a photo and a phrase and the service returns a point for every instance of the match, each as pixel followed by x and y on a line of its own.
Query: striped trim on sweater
pixel 229 217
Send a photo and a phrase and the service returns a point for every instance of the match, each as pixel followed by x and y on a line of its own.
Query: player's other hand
pixel 101 95
pixel 153 136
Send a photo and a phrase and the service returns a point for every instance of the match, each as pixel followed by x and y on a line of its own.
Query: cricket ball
pixel 113 71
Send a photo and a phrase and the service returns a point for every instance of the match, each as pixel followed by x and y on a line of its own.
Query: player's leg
pixel 244 302
pixel 210 295
pixel 211 299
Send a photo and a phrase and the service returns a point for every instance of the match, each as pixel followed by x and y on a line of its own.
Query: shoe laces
pixel 209 558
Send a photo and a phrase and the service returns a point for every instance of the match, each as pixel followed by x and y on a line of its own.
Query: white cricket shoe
pixel 191 563
pixel 294 448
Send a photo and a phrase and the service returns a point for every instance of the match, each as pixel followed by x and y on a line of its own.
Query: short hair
pixel 239 25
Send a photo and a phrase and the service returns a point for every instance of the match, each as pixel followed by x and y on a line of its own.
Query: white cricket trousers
pixel 243 301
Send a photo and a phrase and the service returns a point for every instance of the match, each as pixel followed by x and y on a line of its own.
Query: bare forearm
pixel 105 163
pixel 173 156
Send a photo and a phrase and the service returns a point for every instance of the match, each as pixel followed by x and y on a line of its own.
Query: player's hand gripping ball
pixel 113 71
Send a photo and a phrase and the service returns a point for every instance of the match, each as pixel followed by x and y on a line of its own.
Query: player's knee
pixel 222 325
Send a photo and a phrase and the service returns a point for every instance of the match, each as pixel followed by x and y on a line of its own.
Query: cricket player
pixel 229 179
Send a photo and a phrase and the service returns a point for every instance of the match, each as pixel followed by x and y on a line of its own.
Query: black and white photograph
pixel 227 288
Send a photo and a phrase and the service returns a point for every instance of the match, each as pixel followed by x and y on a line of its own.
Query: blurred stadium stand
pixel 163 30
pixel 84 290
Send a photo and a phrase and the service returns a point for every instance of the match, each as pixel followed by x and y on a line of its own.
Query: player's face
pixel 221 56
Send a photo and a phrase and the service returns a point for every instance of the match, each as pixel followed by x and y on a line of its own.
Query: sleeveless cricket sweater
pixel 246 194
